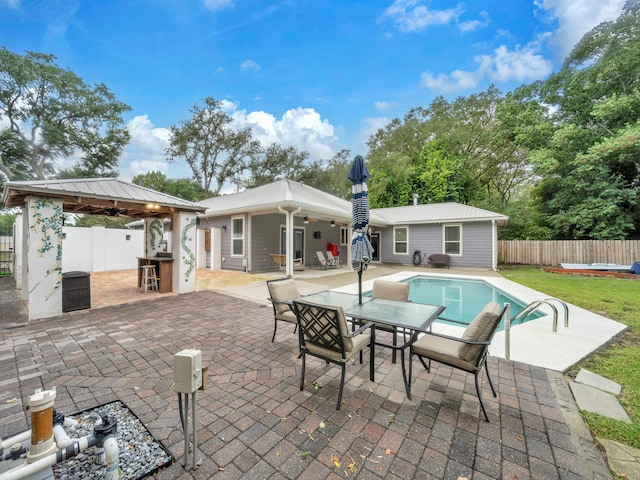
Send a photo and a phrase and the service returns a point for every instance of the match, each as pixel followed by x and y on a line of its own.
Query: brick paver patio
pixel 255 423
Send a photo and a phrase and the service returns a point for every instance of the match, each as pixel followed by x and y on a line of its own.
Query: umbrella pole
pixel 360 285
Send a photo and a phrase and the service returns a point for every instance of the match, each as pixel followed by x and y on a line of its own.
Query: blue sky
pixel 319 75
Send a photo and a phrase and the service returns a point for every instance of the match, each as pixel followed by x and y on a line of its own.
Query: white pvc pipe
pixel 62 438
pixel 17 438
pixel 27 469
pixel 112 452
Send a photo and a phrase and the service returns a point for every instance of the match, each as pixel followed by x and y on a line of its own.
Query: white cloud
pixel 302 128
pixel 412 15
pixel 380 105
pixel 577 17
pixel 472 25
pixel 502 65
pixel 215 5
pixel 521 64
pixel 10 3
pixel 453 82
pixel 145 151
pixel 249 65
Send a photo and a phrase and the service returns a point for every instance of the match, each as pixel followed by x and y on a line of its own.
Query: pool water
pixel 463 298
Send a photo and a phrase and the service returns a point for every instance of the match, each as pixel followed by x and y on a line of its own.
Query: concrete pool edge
pixel 533 342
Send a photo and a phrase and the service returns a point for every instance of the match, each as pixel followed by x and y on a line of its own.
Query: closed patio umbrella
pixel 361 249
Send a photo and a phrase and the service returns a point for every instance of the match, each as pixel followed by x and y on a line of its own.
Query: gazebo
pixel 44 203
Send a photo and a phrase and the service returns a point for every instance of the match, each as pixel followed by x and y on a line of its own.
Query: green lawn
pixel 615 298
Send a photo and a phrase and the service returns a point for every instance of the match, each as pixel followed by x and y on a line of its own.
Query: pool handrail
pixel 533 306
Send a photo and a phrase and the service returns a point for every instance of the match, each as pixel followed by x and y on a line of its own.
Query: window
pixel 237 236
pixel 400 240
pixel 453 239
pixel 345 238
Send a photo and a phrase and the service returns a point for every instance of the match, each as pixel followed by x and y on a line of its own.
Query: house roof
pixel 287 194
pixel 438 213
pixel 99 196
pixel 291 194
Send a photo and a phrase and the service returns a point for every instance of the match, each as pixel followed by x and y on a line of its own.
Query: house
pixel 243 229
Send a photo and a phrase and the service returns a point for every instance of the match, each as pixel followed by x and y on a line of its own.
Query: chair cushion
pixel 398 291
pixel 478 331
pixel 282 290
pixel 357 343
pixel 287 316
pixel 441 350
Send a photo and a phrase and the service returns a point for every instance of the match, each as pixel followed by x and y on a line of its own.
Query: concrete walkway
pixel 255 423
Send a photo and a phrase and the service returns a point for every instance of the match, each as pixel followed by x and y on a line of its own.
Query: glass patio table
pixel 403 315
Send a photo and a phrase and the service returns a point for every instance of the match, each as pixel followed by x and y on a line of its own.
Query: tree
pixel 213 149
pixel 183 187
pixel 51 113
pixel 273 163
pixel 451 151
pixel 590 172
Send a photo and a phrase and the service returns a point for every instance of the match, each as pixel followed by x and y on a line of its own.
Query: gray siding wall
pixel 265 230
pixel 476 244
pixel 229 262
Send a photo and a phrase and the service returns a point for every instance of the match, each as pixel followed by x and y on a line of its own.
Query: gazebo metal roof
pixel 99 196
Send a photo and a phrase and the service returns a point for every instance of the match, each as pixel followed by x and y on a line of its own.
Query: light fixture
pixel 333 223
pixel 306 219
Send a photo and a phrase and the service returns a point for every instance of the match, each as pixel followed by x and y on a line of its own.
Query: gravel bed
pixel 140 454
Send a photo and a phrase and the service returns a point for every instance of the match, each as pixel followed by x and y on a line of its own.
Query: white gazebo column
pixel 184 252
pixel 153 236
pixel 44 257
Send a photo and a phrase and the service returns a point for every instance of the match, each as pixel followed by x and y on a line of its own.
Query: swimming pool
pixel 463 298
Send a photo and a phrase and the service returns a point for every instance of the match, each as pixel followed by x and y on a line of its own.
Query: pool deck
pixel 533 342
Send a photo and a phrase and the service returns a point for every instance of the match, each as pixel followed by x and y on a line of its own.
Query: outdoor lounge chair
pixel 282 291
pixel 332 261
pixel 398 291
pixel 322 259
pixel 468 353
pixel 323 334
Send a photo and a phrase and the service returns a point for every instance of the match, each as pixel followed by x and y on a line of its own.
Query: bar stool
pixel 149 278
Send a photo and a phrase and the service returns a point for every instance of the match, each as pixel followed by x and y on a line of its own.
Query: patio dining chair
pixel 467 353
pixel 323 334
pixel 281 292
pixel 398 291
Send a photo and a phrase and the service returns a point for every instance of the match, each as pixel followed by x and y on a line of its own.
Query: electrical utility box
pixel 187 367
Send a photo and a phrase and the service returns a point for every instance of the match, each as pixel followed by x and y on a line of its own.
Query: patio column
pixel 184 252
pixel 43 234
pixel 153 236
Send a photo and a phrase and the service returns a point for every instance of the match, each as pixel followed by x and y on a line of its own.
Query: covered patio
pixel 38 232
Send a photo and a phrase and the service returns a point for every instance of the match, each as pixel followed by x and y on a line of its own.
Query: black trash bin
pixel 76 291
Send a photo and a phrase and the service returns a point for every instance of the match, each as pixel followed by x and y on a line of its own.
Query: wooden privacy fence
pixel 555 252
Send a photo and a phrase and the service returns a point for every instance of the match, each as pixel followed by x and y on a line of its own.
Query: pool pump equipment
pixel 51 445
pixel 188 378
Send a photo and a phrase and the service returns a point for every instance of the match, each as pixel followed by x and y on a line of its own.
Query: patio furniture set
pixel 322 322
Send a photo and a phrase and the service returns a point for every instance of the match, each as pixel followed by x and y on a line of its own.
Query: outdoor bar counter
pixel 164 271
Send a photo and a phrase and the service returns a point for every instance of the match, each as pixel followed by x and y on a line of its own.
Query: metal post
pixel 507 332
pixel 194 465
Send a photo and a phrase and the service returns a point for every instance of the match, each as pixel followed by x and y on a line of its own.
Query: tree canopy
pixel 182 188
pixel 51 113
pixel 212 148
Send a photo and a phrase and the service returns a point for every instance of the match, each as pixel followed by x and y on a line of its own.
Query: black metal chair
pixel 323 334
pixel 468 353
pixel 281 292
